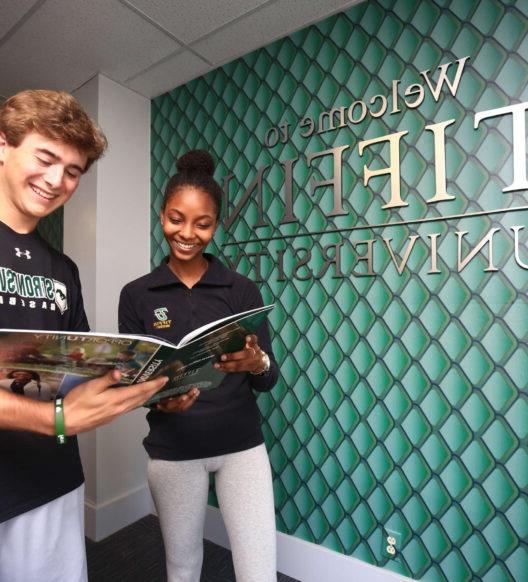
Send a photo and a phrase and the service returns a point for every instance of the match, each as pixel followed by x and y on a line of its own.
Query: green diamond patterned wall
pixel 51 229
pixel 403 400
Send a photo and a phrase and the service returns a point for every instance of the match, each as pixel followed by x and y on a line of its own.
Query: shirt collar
pixel 217 275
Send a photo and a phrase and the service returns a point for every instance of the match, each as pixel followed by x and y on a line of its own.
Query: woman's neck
pixel 189 273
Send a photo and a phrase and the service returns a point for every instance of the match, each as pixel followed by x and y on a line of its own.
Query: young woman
pixel 194 435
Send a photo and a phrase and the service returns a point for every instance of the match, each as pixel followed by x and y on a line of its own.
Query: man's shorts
pixel 46 544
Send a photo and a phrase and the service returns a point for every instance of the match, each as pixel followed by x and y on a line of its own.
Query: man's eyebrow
pixel 48 153
pixel 54 156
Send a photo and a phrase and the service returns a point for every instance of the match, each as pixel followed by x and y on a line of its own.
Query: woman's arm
pixel 128 319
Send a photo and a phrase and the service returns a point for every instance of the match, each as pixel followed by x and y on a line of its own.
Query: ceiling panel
pixel 168 74
pixel 148 45
pixel 11 11
pixel 261 27
pixel 96 36
pixel 188 21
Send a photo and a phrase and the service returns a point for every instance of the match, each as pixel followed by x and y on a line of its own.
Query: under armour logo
pixel 20 253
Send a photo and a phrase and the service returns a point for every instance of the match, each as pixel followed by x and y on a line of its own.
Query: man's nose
pixel 54 175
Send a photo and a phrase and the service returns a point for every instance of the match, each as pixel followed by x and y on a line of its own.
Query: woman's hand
pixel 249 359
pixel 179 403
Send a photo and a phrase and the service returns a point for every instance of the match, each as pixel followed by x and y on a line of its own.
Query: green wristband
pixel 59 422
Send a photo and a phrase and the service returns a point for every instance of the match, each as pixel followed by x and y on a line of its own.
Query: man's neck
pixel 16 220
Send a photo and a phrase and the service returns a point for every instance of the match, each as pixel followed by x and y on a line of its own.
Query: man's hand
pixel 86 406
pixel 179 403
pixel 95 403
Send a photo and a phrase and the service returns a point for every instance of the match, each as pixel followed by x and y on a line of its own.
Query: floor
pixel 135 554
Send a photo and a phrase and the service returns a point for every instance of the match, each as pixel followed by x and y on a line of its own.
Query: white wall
pixel 309 562
pixel 79 243
pixel 106 232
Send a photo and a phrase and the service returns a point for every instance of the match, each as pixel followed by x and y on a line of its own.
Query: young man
pixel 47 142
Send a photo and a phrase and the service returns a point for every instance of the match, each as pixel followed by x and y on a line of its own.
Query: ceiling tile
pixel 12 12
pixel 272 21
pixel 61 44
pixel 96 36
pixel 171 73
pixel 188 21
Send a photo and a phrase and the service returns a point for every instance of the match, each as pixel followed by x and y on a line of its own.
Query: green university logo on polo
pixel 161 313
pixel 163 321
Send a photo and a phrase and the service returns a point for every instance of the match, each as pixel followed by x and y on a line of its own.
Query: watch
pixel 266 363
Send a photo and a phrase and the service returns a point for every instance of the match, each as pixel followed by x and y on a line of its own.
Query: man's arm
pixel 86 406
pixel 23 413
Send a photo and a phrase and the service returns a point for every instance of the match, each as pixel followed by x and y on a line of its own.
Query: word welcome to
pixel 377 106
pixel 332 185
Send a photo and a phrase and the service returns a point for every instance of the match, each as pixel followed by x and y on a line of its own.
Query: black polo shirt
pixel 223 420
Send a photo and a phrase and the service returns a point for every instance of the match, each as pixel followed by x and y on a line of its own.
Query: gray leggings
pixel 245 496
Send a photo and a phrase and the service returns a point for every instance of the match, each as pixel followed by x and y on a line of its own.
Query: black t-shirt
pixel 39 289
pixel 221 421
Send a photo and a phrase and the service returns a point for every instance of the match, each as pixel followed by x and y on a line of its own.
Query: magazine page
pixel 59 360
pixel 192 365
pixel 34 384
pixel 44 364
pixel 242 316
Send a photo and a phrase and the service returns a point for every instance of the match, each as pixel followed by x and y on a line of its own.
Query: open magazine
pixel 44 364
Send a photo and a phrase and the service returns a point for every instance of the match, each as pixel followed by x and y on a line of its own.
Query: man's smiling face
pixel 36 177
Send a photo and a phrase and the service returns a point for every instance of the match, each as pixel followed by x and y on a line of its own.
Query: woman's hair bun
pixel 196 162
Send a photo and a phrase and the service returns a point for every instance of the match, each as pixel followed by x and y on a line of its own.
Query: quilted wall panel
pixel 402 402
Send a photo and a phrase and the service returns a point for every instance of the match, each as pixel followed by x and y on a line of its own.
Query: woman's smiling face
pixel 189 222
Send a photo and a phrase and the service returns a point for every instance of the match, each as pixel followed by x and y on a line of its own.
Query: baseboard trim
pixel 297 558
pixel 306 561
pixel 104 519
